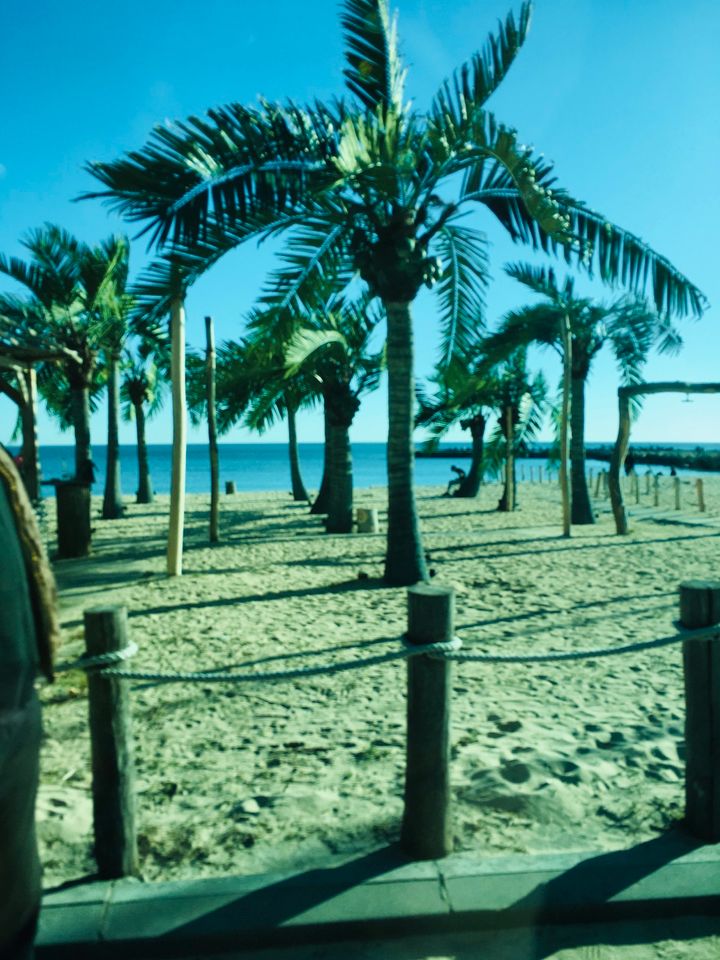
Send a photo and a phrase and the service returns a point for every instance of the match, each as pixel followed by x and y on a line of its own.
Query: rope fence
pixel 430 646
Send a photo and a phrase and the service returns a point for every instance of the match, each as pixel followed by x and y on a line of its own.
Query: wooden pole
pixel 426 828
pixel 540 474
pixel 647 482
pixel 214 534
pixel 700 607
pixel 636 484
pixel 111 748
pixel 700 494
pixel 230 486
pixel 676 484
pixel 74 533
pixel 179 453
pixel 656 491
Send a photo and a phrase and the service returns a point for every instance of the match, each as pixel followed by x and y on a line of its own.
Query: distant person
pixel 28 636
pixel 455 481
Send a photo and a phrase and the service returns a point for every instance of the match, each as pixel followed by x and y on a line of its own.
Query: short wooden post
pixel 700 607
pixel 647 482
pixel 426 828
pixel 111 747
pixel 636 484
pixel 540 474
pixel 700 494
pixel 367 520
pixel 522 474
pixel 74 532
pixel 606 485
pixel 656 490
pixel 676 484
pixel 229 486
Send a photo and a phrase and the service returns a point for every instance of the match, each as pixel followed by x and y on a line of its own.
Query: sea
pixel 265 466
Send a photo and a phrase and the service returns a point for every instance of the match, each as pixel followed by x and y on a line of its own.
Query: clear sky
pixel 622 95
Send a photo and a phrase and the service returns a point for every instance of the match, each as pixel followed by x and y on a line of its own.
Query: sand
pixel 579 755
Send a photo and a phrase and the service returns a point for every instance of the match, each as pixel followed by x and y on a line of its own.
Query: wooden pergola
pixel 623 438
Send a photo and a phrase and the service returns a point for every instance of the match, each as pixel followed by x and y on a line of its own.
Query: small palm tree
pixel 627 324
pixel 366 183
pixel 465 394
pixel 332 345
pixel 520 405
pixel 142 393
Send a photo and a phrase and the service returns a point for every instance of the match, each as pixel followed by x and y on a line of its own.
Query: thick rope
pixel 101 660
pixel 409 650
pixel 449 649
pixel 550 656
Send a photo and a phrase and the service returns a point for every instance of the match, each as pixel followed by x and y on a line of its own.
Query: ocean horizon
pixel 265 467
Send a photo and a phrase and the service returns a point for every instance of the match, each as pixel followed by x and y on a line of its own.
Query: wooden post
pixel 676 484
pixel 73 518
pixel 700 494
pixel 636 483
pixel 229 486
pixel 111 747
pixel 656 491
pixel 647 483
pixel 540 474
pixel 214 532
pixel 700 607
pixel 367 520
pixel 598 483
pixel 426 828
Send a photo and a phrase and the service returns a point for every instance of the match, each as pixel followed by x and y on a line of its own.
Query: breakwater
pixel 697 458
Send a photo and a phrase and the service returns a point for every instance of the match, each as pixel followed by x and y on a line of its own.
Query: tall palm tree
pixel 627 324
pixel 368 181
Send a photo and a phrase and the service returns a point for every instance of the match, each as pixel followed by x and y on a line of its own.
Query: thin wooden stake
pixel 426 828
pixel 656 491
pixel 677 492
pixel 111 745
pixel 700 494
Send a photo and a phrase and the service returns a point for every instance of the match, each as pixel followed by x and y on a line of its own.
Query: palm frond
pixel 374 73
pixel 478 78
pixel 461 288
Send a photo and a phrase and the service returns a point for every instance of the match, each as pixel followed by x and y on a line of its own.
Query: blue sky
pixel 620 94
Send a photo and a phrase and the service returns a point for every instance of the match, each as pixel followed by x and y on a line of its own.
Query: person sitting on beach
pixel 455 481
pixel 28 636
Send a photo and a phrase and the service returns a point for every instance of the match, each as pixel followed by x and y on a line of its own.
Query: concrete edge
pixel 379 894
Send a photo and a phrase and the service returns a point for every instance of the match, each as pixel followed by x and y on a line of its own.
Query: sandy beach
pixel 571 755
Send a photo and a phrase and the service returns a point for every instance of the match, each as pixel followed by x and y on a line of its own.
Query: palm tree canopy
pixel 628 323
pixel 365 178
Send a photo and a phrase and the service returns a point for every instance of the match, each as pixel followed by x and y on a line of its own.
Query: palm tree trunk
pixel 340 505
pixel 471 484
pixel 112 507
pixel 177 487
pixel 145 490
pixel 321 500
pixel 405 558
pixel 80 406
pixel 508 500
pixel 298 487
pixel 30 450
pixel 582 511
pixel 564 421
pixel 212 434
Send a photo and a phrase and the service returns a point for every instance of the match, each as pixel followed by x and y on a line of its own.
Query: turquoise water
pixel 262 466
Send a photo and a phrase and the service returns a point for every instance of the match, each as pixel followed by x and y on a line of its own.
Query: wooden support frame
pixel 623 438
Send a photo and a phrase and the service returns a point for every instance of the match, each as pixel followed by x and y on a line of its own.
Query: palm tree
pixel 252 386
pixel 74 302
pixel 520 404
pixel 465 394
pixel 332 345
pixel 142 391
pixel 627 323
pixel 365 181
